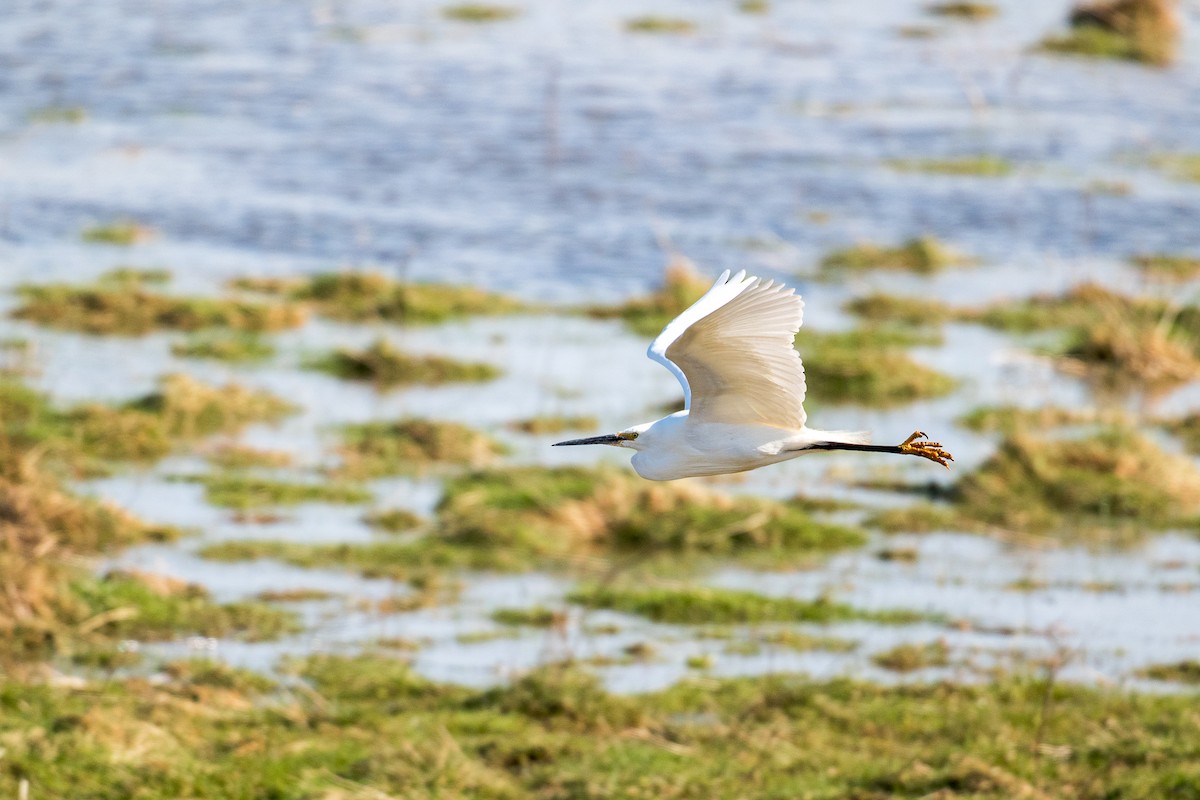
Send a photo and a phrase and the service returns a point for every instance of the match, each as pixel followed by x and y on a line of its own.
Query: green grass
pixel 127 276
pixel 231 456
pixel 371 727
pixel 479 12
pixel 387 366
pixel 754 7
pixel 1146 31
pixel 536 617
pixel 59 115
pixel 867 367
pixel 545 424
pixel 132 309
pixel 649 314
pixel 982 166
pixel 237 348
pixel 963 10
pixel 392 520
pixel 241 491
pixel 1011 420
pixel 708 606
pixel 1184 166
pixel 1167 267
pixel 121 234
pixel 912 657
pixel 652 23
pixel 373 296
pixel 923 255
pixel 1187 672
pixel 881 308
pixel 409 446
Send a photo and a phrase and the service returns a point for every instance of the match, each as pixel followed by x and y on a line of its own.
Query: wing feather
pixel 732 351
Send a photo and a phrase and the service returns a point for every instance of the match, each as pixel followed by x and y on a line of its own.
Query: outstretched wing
pixel 732 351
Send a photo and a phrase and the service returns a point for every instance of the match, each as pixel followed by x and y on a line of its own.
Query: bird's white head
pixel 630 437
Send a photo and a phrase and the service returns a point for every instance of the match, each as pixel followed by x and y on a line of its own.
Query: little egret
pixel 743 389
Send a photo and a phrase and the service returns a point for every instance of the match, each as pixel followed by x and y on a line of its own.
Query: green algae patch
pixel 375 297
pixel 982 166
pixel 241 491
pixel 408 446
pixel 479 12
pixel 1187 672
pixel 867 367
pixel 540 426
pixel 882 308
pixel 387 366
pixel 702 605
pixel 963 10
pixel 1146 31
pixel 1161 266
pixel 661 25
pixel 567 514
pixel 235 348
pixel 122 234
pixel 911 657
pixel 923 255
pixel 536 617
pixel 648 315
pixel 134 309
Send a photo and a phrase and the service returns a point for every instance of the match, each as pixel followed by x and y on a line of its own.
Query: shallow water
pixel 552 157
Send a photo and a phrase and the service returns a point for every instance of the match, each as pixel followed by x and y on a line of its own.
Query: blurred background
pixel 296 294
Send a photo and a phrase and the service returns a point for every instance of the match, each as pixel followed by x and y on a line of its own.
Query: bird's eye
pixel 628 435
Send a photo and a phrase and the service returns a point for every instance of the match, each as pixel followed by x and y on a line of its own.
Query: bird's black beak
pixel 611 438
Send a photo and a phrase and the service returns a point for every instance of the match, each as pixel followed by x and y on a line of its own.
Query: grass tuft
pixel 963 10
pixel 983 166
pixel 233 347
pixel 387 366
pixel 1133 30
pixel 866 367
pixel 648 315
pixel 1187 672
pixel 479 12
pixel 923 255
pixel 241 491
pixel 912 657
pixel 651 23
pixel 376 449
pixel 546 424
pixel 1167 267
pixel 122 234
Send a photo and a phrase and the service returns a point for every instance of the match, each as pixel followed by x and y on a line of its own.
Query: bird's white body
pixel 743 388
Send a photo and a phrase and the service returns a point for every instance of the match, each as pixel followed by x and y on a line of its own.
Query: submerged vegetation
pixel 385 365
pixel 1131 30
pixel 132 309
pixel 924 255
pixel 375 449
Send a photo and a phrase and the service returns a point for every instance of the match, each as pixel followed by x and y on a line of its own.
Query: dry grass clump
pixel 373 296
pixel 123 233
pixel 131 309
pixel 554 424
pixel 571 513
pixel 233 347
pixel 1133 30
pixel 963 10
pixel 230 455
pixel 1168 267
pixel 479 12
pixel 923 255
pixel 651 23
pixel 867 367
pixel 1112 482
pixel 89 437
pixel 387 366
pixel 375 449
pixel 912 657
pixel 648 315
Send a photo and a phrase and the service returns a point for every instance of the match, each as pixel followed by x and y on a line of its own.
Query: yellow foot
pixel 925 449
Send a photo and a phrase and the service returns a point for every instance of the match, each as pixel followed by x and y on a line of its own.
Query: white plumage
pixel 743 387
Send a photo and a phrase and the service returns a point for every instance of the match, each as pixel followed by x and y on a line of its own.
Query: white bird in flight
pixel 743 389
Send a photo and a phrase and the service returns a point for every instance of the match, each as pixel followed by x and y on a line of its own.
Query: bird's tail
pixel 842 437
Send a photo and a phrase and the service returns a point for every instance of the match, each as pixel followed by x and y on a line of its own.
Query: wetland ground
pixel 294 296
